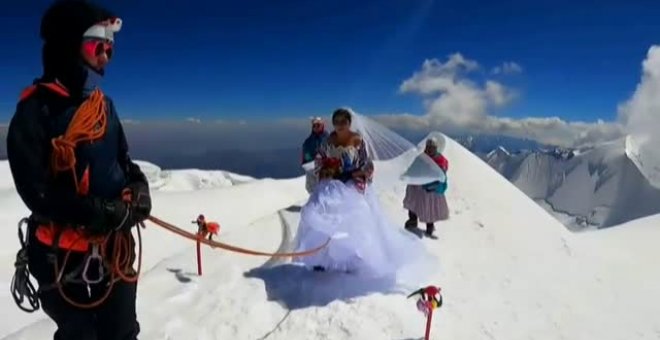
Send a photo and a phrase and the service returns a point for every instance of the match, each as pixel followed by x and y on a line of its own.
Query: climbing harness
pixel 119 265
pixel 119 244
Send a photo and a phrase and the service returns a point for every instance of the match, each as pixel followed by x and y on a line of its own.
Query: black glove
pixel 121 213
pixel 110 215
pixel 140 202
pixel 139 188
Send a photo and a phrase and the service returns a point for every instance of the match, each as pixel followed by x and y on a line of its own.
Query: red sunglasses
pixel 95 48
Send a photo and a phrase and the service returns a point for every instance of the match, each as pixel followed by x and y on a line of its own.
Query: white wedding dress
pixel 364 242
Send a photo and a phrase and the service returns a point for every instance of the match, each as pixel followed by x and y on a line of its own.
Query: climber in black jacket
pixel 76 177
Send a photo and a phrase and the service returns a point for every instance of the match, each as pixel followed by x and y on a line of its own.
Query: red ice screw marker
pixel 199 258
pixel 429 299
pixel 204 228
pixel 200 229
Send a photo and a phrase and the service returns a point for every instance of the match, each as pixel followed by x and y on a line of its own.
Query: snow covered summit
pixel 509 270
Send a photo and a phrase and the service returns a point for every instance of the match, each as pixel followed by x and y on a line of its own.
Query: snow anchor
pixel 203 228
pixel 429 299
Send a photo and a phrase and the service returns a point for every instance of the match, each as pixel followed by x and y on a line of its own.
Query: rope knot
pixel 64 157
pixel 60 141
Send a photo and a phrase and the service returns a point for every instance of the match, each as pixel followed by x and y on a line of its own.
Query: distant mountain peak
pixel 598 186
pixel 499 151
pixel 483 144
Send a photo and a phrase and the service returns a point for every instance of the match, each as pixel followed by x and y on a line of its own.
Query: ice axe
pixel 429 299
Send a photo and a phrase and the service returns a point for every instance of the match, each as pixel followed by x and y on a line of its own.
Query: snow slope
pixel 599 187
pixel 510 271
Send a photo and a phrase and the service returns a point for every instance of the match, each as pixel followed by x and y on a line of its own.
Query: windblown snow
pixel 509 269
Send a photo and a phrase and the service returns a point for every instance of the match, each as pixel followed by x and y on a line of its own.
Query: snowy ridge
pixel 597 187
pixel 509 270
pixel 161 180
pixel 189 179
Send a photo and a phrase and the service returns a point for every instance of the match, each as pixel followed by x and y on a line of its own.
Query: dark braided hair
pixel 342 114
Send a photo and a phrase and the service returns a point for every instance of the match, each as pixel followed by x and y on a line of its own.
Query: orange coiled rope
pixel 88 124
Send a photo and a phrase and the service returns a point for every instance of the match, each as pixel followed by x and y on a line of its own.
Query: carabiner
pixel 23 238
pixel 95 255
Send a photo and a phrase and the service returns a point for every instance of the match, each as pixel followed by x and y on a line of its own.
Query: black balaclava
pixel 62 29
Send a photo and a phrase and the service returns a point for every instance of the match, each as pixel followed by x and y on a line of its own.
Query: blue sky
pixel 294 58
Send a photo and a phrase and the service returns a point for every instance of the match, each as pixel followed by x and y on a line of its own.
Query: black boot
pixel 411 223
pixel 430 228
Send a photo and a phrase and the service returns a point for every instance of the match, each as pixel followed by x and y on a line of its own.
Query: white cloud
pixel 507 68
pixel 640 115
pixel 456 103
pixel 553 130
pixel 549 130
pixel 437 77
pixel 193 120
pixel 499 94
pixel 450 95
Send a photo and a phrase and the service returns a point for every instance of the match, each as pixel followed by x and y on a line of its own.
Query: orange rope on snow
pixel 216 244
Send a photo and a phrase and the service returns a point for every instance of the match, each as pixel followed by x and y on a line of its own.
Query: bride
pixel 344 206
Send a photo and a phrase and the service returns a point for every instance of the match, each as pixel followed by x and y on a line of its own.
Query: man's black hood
pixel 62 29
